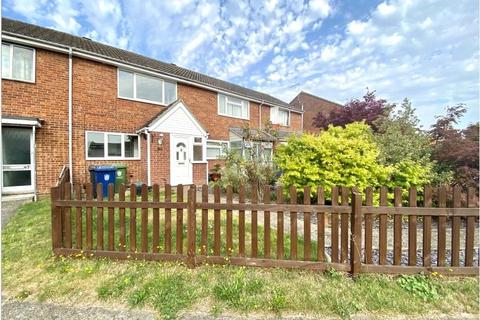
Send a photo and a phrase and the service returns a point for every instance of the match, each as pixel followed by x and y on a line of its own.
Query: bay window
pixel 233 107
pixel 110 145
pixel 142 87
pixel 18 62
pixel 216 149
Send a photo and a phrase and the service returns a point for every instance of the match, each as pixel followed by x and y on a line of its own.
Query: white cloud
pixel 423 49
pixel 356 27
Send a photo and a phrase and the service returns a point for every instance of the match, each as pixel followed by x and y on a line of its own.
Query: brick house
pixel 311 106
pixel 68 100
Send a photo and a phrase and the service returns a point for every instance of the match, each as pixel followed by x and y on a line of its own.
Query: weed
pixel 23 294
pixel 239 291
pixel 278 300
pixel 420 285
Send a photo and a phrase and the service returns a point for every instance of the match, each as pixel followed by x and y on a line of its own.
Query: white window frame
pixel 105 143
pixel 203 144
pixel 274 116
pixel 11 45
pixel 163 103
pixel 219 147
pixel 226 102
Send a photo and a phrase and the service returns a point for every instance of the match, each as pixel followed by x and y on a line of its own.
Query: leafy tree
pixel 369 110
pixel 455 149
pixel 400 138
pixel 338 156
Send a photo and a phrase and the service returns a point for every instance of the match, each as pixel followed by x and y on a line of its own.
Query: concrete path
pixel 22 310
pixel 10 207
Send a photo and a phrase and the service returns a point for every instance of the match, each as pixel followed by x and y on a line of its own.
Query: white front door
pixel 180 160
pixel 18 160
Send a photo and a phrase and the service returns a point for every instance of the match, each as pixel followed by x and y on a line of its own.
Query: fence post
pixel 191 223
pixel 356 234
pixel 56 219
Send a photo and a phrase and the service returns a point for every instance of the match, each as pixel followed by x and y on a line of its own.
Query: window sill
pixel 19 80
pixel 199 162
pixel 113 159
pixel 227 116
pixel 143 101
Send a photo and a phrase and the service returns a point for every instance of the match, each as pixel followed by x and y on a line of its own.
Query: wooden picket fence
pixel 337 232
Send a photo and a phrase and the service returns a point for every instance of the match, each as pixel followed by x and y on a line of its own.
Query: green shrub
pixel 338 156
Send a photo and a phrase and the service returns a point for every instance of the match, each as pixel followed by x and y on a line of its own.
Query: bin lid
pixel 102 168
pixel 120 166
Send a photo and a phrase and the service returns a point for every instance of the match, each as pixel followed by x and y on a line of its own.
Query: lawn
pixel 30 272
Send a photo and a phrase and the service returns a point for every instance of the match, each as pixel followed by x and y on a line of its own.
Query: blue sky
pixel 426 50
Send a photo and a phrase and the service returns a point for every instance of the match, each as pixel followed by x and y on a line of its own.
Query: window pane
pixel 22 63
pixel 125 84
pixel 245 109
pixel 149 88
pixel 213 152
pixel 234 100
pixel 197 153
pixel 221 104
pixel 114 145
pixel 197 140
pixel 283 117
pixel 131 146
pixel 6 61
pixel 170 92
pixel 95 145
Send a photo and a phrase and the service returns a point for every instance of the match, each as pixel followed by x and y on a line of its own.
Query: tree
pixel 338 156
pixel 455 149
pixel 369 110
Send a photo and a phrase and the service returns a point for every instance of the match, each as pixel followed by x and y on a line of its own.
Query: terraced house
pixel 68 100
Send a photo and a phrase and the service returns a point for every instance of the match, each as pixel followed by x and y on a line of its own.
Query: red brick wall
pixel 97 107
pixel 47 99
pixel 160 158
pixel 199 173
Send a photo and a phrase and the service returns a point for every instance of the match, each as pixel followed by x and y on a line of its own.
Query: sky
pixel 425 50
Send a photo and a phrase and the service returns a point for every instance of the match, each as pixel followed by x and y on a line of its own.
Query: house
pixel 311 106
pixel 68 100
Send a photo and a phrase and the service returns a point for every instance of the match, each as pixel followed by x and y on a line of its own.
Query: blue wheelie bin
pixel 104 175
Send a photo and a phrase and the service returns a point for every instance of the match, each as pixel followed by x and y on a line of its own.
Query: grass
pixel 30 272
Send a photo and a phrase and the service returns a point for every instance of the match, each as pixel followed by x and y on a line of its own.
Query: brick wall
pixel 96 107
pixel 47 99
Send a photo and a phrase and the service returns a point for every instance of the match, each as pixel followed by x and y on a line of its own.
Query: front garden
pixel 31 273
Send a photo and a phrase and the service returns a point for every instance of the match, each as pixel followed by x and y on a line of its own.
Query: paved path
pixel 23 310
pixel 9 208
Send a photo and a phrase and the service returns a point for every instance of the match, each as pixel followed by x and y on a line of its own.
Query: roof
pixel 30 31
pixel 164 111
pixel 310 99
pixel 257 135
pixel 312 106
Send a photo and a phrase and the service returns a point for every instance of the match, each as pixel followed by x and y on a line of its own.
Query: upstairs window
pixel 110 145
pixel 137 86
pixel 280 116
pixel 233 107
pixel 18 62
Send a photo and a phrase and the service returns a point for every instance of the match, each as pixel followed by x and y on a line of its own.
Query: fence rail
pixel 345 230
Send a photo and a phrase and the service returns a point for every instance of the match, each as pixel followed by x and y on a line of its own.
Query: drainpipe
pixel 70 114
pixel 302 117
pixel 149 177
